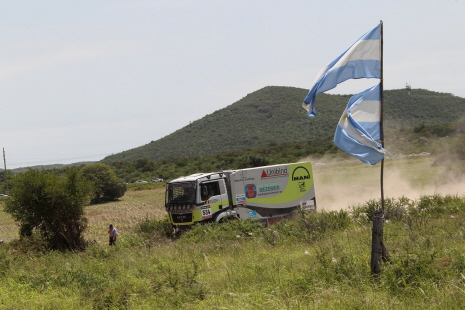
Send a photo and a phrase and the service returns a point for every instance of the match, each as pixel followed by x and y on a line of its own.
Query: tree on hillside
pixel 106 185
pixel 251 160
pixel 144 164
pixel 51 205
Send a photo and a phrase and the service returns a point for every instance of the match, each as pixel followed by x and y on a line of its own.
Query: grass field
pixel 337 185
pixel 316 261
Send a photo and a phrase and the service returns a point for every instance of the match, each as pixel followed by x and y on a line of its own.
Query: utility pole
pixel 4 171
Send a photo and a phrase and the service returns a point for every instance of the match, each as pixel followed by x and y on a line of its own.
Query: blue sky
pixel 80 80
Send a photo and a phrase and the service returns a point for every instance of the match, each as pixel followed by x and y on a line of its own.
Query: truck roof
pixel 197 176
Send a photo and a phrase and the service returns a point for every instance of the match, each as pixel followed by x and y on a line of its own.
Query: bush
pixel 312 225
pixel 219 232
pixel 51 206
pixel 155 228
pixel 394 208
pixel 106 185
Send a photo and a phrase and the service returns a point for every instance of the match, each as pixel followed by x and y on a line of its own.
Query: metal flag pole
pixel 381 119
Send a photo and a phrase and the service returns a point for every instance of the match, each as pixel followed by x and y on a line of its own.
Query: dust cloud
pixel 342 183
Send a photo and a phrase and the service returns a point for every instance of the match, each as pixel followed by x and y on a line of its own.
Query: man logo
pixel 300 174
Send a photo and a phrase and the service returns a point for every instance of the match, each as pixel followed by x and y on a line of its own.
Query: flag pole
pixel 381 119
pixel 379 252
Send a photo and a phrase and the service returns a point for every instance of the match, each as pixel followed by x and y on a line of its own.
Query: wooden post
pixel 377 242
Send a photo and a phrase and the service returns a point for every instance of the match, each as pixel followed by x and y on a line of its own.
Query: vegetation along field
pixel 314 261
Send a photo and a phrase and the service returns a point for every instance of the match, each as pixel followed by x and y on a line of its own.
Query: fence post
pixel 378 250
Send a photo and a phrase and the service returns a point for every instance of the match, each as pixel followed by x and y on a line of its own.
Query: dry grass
pixel 124 214
pixel 8 228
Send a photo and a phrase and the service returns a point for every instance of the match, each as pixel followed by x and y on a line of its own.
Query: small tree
pixel 106 185
pixel 51 205
pixel 144 165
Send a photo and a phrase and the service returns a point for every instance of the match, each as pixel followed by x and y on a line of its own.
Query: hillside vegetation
pixel 273 115
pixel 443 142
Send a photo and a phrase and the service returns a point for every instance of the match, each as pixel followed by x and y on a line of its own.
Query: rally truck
pixel 268 194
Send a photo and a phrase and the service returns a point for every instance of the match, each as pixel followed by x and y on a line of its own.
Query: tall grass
pixel 313 261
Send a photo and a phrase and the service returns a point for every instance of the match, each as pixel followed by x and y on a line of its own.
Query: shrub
pixel 51 206
pixel 155 228
pixel 228 230
pixel 313 225
pixel 394 208
pixel 106 185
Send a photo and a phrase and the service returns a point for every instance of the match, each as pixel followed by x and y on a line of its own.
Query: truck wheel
pixel 228 218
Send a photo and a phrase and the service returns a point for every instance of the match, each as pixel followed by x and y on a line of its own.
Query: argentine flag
pixel 359 127
pixel 361 60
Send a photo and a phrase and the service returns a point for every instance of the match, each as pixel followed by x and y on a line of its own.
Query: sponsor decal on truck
pixel 275 172
pixel 241 200
pixel 251 191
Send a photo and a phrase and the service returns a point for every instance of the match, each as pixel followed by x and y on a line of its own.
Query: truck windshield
pixel 181 193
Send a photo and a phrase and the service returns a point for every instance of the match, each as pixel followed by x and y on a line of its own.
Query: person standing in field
pixel 112 233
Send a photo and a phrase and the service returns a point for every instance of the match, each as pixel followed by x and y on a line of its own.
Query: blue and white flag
pixel 359 127
pixel 361 60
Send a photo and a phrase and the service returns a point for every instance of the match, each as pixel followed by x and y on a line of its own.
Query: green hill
pixel 274 115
